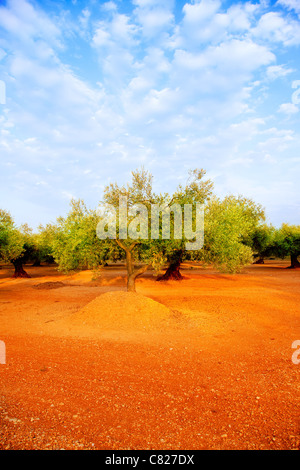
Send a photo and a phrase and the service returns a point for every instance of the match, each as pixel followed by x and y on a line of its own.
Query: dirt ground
pixel 203 363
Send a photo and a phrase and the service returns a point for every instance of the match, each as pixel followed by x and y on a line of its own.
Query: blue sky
pixel 91 90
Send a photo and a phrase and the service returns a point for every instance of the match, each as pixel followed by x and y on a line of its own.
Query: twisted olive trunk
pixel 294 261
pixel 173 271
pixel 132 274
pixel 19 270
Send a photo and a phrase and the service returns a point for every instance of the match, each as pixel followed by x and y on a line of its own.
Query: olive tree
pixel 148 226
pixel 131 232
pixel 197 190
pixel 16 243
pixel 261 241
pixel 287 243
pixel 228 223
pixel 73 239
pixel 11 240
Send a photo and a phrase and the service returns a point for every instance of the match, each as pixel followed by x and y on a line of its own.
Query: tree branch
pixel 141 270
pixel 124 247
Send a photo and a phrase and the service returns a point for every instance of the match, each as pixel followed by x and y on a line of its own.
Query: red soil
pixel 208 367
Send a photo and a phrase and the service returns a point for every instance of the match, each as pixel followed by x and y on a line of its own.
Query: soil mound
pixel 120 310
pixel 49 285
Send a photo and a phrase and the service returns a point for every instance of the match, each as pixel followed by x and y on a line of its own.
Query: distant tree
pixel 287 243
pixel 228 223
pixel 11 240
pixel 41 251
pixel 15 243
pixel 74 242
pixel 26 234
pixel 261 241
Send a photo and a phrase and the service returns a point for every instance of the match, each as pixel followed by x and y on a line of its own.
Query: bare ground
pixel 209 367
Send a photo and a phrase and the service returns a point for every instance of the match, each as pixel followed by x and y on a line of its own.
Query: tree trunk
pixel 19 271
pixel 294 262
pixel 36 263
pixel 132 274
pixel 131 278
pixel 173 272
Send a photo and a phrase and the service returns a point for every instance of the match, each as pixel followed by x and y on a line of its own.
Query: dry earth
pixel 204 363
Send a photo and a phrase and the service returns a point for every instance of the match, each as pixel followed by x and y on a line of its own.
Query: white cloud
pixel 68 195
pixel 296 94
pixel 220 69
pixel 173 95
pixel 118 32
pixel 153 3
pixel 84 18
pixel 240 55
pixel 197 13
pixel 288 108
pixel 277 71
pixel 205 22
pixel 122 30
pixel 274 28
pixel 27 23
pixel 2 54
pixel 101 37
pixel 109 6
pixel 154 21
pixel 278 140
pixel 291 5
pixel 154 17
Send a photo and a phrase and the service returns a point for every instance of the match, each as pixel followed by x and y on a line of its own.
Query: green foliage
pixel 11 239
pixel 74 242
pixel 233 228
pixel 195 190
pixel 228 223
pixel 287 240
pixel 139 191
pixel 262 240
pixel 28 244
pixel 42 241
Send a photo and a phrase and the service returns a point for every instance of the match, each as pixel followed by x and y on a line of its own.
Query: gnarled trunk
pixel 173 272
pixel 294 262
pixel 132 273
pixel 19 270
pixel 131 278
